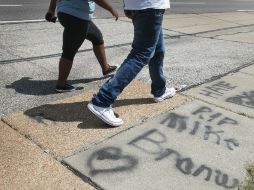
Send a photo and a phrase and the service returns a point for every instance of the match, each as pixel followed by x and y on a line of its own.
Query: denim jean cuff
pixel 95 101
pixel 158 94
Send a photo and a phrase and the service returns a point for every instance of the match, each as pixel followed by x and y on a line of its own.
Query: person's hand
pixel 128 14
pixel 114 14
pixel 50 17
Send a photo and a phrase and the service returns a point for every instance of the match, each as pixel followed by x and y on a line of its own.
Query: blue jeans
pixel 147 48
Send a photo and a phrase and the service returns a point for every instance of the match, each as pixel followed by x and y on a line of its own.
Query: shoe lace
pixel 110 111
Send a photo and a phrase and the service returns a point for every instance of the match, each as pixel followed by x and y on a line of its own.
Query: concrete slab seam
pixel 228 40
pixel 50 156
pixel 246 73
pixel 118 145
pixel 88 179
pixel 235 33
pixel 129 127
pixel 203 37
pixel 216 30
pixel 221 20
pixel 42 147
pixel 22 59
pixel 218 76
pixel 91 145
pixel 48 153
pixel 214 38
pixel 218 106
pixel 83 177
pixel 39 145
pixel 27 137
pixel 232 34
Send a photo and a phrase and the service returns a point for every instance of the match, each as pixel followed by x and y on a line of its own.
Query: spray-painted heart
pixel 111 160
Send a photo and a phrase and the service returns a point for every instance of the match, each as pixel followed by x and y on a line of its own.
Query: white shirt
pixel 145 4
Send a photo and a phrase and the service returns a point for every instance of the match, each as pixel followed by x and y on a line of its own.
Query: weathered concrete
pixel 199 46
pixel 46 38
pixel 25 166
pixel 197 146
pixel 233 92
pixel 65 126
pixel 195 24
pixel 29 62
pixel 240 37
pixel 198 23
pixel 241 18
pixel 248 70
pixel 243 34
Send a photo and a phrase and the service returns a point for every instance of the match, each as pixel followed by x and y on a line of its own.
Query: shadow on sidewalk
pixel 77 112
pixel 41 88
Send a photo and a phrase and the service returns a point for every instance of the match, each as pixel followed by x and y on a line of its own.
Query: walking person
pixel 147 48
pixel 75 16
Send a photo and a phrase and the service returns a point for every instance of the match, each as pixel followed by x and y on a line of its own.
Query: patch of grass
pixel 248 184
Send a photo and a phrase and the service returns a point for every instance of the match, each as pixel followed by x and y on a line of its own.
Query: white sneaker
pixel 105 114
pixel 169 93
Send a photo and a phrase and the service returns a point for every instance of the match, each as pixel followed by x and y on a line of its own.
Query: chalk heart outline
pixel 122 162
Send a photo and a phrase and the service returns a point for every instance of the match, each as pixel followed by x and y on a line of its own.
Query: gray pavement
pixel 200 139
pixel 197 146
pixel 29 60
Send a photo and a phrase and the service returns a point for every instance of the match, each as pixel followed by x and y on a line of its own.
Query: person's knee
pixel 160 52
pixel 68 54
pixel 98 40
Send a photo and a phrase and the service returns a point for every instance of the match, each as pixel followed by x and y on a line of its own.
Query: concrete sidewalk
pixel 200 139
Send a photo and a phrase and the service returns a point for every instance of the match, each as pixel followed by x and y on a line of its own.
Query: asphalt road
pixel 12 10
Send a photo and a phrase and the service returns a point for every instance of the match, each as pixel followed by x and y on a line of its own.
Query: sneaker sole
pixel 60 91
pixel 167 97
pixel 96 113
pixel 111 72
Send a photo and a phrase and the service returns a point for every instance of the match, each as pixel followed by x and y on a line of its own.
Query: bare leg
pixel 99 51
pixel 100 54
pixel 64 71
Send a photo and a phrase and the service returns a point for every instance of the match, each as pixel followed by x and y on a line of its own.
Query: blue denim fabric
pixel 147 48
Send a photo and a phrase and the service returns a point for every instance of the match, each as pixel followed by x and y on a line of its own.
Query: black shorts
pixel 75 32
